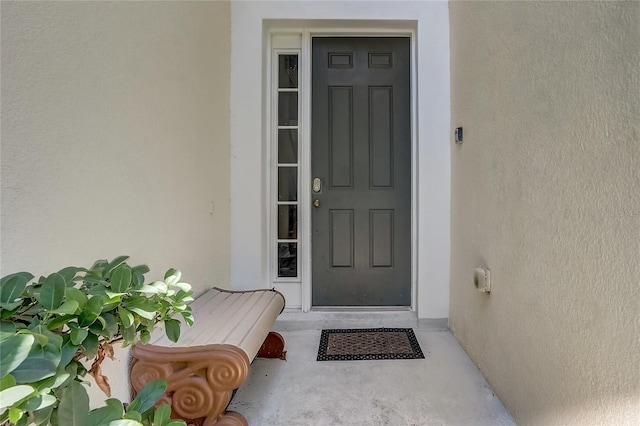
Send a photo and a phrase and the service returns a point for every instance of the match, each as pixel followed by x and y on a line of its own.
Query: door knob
pixel 316 203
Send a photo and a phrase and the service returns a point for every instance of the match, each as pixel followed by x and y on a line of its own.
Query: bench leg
pixel 231 418
pixel 273 347
pixel 200 380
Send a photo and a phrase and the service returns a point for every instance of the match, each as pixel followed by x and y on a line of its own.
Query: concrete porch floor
pixel 445 388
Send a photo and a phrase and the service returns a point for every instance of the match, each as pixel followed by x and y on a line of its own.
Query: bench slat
pixel 257 323
pixel 217 320
pixel 238 319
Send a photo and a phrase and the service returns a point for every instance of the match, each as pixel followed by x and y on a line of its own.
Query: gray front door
pixel 361 167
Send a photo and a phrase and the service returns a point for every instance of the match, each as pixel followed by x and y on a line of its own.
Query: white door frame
pixel 304 151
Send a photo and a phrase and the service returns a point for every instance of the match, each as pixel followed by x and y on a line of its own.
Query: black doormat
pixel 368 343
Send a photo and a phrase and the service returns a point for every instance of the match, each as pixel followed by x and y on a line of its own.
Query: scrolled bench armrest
pixel 201 379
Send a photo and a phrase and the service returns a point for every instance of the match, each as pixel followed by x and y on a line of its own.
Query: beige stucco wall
pixel 115 136
pixel 546 193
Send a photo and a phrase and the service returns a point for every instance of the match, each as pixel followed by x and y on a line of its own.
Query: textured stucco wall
pixel 115 136
pixel 546 193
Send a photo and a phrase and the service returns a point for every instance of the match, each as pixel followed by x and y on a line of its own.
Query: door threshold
pixel 361 308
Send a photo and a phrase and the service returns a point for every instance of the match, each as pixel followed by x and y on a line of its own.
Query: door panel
pixel 361 150
pixel 381 238
pixel 381 137
pixel 341 231
pixel 340 137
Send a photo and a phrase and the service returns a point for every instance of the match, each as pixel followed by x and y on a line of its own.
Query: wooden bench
pixel 212 358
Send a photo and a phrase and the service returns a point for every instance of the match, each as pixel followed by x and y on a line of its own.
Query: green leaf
pixel 14 394
pixel 42 417
pixel 133 415
pixel 99 265
pixel 14 351
pixel 172 280
pixel 67 352
pixel 70 307
pixel 134 405
pixel 172 329
pixel 15 414
pixel 160 285
pixel 121 279
pixel 96 328
pixel 129 335
pixel 60 378
pixel 148 314
pixel 147 323
pixel 7 329
pixel 33 369
pixel 162 414
pixel 24 421
pixel 103 323
pixel 58 322
pixel 113 264
pixel 41 339
pixel 104 415
pixel 81 369
pixel 182 286
pixel 137 279
pixel 188 318
pixel 150 394
pixel 150 289
pixel 8 311
pixel 53 341
pixel 12 286
pixel 142 306
pixel 38 402
pixel 111 304
pixel 7 381
pixel 73 369
pixel 91 311
pixel 68 273
pixel 52 292
pixel 116 404
pixel 170 272
pixel 114 297
pixel 145 336
pixel 125 422
pixel 74 405
pixel 78 296
pixel 92 279
pixel 43 386
pixel 110 326
pixel 176 423
pixel 78 335
pixel 90 345
pixel 140 269
pixel 125 317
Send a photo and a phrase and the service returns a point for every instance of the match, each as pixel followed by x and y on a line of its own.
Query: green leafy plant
pixel 51 327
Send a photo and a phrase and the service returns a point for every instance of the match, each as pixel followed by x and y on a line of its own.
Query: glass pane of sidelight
pixel 287 260
pixel 287 222
pixel 288 71
pixel 287 184
pixel 288 146
pixel 288 109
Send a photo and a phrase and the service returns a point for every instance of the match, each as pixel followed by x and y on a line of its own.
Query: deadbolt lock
pixel 317 185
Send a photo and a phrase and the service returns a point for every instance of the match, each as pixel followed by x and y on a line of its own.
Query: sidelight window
pixel 287 161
